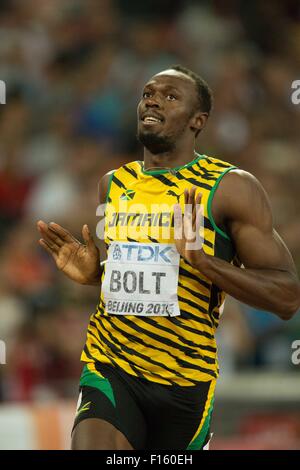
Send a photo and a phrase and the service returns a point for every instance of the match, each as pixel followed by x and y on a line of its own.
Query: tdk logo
pixel 146 253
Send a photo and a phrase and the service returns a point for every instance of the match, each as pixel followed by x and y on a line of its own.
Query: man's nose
pixel 152 103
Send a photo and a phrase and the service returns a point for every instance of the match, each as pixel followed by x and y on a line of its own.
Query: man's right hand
pixel 80 262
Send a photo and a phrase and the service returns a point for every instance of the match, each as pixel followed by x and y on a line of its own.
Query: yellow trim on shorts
pixel 205 419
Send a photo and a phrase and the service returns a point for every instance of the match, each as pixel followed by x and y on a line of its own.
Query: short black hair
pixel 205 97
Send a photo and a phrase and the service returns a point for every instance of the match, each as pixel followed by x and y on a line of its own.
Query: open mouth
pixel 151 119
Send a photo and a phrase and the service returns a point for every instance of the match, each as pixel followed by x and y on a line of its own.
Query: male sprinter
pixel 150 356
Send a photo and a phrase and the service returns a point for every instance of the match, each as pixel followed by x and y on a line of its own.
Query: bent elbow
pixel 289 310
pixel 291 303
pixel 287 314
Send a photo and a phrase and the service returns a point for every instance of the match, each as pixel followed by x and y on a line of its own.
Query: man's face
pixel 168 103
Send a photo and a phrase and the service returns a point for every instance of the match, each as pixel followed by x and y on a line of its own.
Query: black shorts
pixel 150 415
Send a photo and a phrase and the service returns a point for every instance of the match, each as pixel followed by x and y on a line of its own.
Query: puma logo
pixel 171 193
pixel 84 407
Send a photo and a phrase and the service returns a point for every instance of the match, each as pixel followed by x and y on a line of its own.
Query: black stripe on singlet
pixel 198 332
pixel 163 179
pixel 199 296
pixel 178 359
pixel 183 272
pixel 208 224
pixel 214 301
pixel 152 322
pixel 220 165
pixel 102 339
pixel 87 352
pixel 180 362
pixel 131 240
pixel 207 173
pixel 156 337
pixel 177 322
pixel 216 317
pixel 112 360
pixel 207 359
pixel 153 240
pixel 133 353
pixel 194 181
pixel 108 356
pixel 208 243
pixel 133 368
pixel 118 182
pixel 185 365
pixel 185 315
pixel 204 173
pixel 131 171
pixel 196 307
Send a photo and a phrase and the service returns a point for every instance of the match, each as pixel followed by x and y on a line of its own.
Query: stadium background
pixel 74 70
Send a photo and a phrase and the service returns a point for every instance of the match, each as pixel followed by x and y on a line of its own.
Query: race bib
pixel 141 279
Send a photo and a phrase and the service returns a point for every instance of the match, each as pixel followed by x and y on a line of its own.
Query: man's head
pixel 175 105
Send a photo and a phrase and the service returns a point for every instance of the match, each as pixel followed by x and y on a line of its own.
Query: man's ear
pixel 198 121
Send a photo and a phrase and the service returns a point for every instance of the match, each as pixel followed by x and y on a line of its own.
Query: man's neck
pixel 177 157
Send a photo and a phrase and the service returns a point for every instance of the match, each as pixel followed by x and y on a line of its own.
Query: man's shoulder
pixel 233 177
pixel 216 163
pixel 238 192
pixel 134 166
pixel 240 180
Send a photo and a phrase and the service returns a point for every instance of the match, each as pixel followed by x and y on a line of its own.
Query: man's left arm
pixel 269 279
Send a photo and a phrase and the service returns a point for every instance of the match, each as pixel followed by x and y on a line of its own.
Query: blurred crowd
pixel 74 70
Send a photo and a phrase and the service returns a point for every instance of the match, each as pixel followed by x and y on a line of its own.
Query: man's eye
pixel 171 97
pixel 146 94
